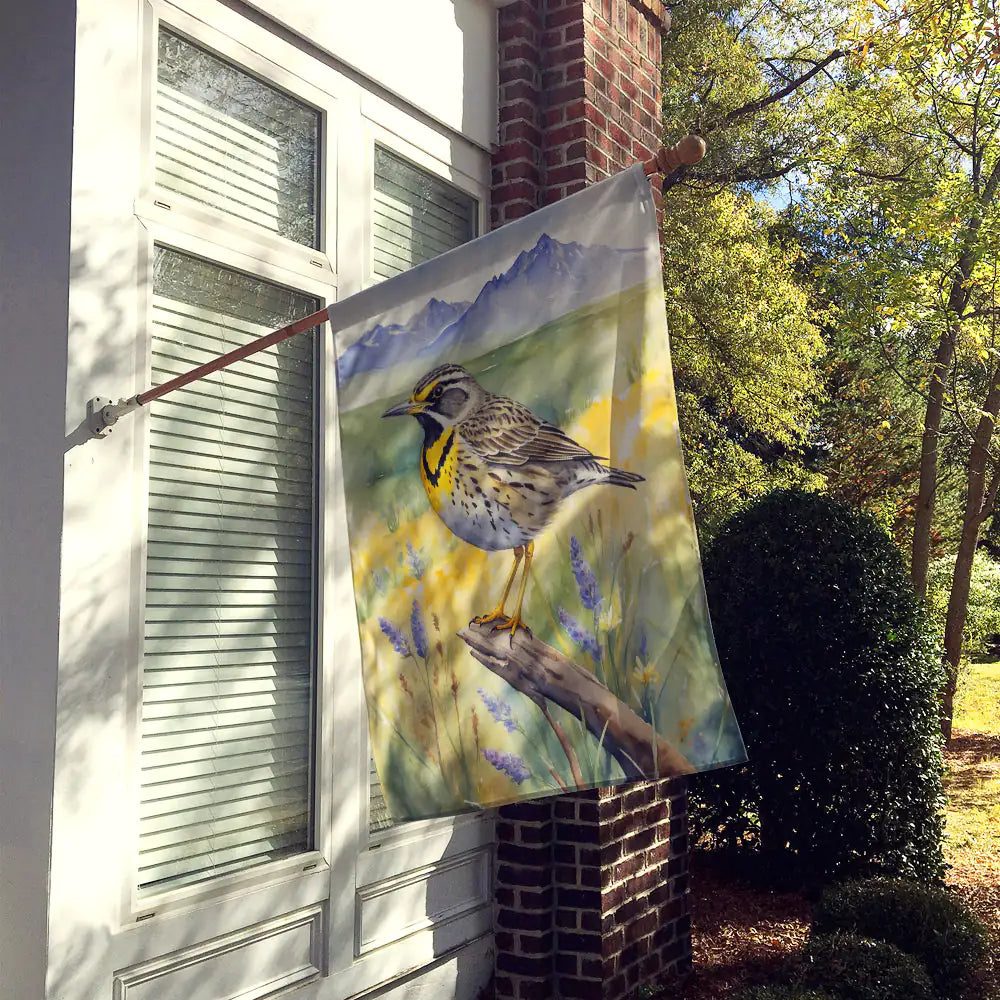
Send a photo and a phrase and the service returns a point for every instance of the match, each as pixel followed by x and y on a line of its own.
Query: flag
pixel 525 568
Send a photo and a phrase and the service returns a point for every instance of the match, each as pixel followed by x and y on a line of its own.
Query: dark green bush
pixel 855 968
pixel 927 923
pixel 834 676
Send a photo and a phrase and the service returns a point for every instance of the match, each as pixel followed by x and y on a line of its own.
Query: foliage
pixel 926 922
pixel 983 616
pixel 745 329
pixel 746 351
pixel 833 675
pixel 849 967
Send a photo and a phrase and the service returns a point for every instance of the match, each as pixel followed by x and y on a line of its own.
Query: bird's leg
pixel 498 613
pixel 516 621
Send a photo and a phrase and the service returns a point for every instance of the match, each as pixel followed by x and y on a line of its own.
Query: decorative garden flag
pixel 525 566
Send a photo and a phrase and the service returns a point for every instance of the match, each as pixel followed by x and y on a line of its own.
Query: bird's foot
pixel 513 624
pixel 496 615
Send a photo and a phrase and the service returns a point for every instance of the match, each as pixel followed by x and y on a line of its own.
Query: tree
pixel 911 206
pixel 744 330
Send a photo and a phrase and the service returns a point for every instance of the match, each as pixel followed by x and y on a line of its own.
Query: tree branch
pixel 544 675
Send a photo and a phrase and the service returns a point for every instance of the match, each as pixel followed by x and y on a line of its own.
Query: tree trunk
pixel 958 300
pixel 927 490
pixel 978 507
pixel 544 674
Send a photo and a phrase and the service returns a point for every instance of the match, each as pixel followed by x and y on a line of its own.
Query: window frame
pixel 385 126
pixel 186 226
pixel 345 864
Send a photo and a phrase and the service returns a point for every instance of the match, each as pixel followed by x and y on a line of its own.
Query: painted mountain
pixel 545 282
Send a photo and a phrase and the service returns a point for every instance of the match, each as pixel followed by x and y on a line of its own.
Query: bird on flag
pixel 495 473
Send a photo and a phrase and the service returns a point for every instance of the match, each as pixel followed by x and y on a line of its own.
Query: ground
pixel 741 935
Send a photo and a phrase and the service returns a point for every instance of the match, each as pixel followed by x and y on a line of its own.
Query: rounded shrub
pixel 834 675
pixel 849 967
pixel 925 922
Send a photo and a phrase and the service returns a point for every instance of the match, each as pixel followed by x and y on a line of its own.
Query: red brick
pixel 516 30
pixel 519 50
pixel 522 965
pixel 518 110
pixel 524 920
pixel 589 944
pixel 567 15
pixel 554 116
pixel 536 944
pixel 520 90
pixel 567 133
pixel 520 130
pixel 580 989
pixel 567 53
pixel 566 963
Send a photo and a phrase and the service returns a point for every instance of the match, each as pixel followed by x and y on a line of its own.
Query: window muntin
pixel 227 140
pixel 228 654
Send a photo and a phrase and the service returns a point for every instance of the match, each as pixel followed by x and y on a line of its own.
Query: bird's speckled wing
pixel 506 432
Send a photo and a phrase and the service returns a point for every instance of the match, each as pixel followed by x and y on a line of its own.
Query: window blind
pixel 227 676
pixel 227 140
pixel 416 217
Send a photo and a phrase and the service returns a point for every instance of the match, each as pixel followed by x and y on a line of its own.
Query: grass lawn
pixel 972 847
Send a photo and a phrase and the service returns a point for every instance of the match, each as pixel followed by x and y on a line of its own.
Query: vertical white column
pixel 37 47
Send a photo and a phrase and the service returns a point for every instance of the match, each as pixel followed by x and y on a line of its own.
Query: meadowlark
pixel 495 473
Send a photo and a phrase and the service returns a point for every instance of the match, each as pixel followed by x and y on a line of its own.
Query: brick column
pixel 591 888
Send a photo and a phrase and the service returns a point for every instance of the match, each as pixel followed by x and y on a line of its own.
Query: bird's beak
pixel 401 409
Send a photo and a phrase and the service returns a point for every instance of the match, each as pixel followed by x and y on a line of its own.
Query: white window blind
pixel 417 216
pixel 234 143
pixel 227 678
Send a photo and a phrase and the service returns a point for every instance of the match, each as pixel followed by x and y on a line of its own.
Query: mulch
pixel 743 935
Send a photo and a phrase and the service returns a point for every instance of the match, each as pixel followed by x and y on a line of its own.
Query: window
pixel 229 141
pixel 228 674
pixel 416 217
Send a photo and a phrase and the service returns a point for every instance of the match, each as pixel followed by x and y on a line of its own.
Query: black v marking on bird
pixel 434 475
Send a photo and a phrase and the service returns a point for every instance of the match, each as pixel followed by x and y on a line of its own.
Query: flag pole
pixel 103 414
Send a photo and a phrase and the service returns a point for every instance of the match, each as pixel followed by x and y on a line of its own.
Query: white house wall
pixel 74 326
pixel 36 121
pixel 437 55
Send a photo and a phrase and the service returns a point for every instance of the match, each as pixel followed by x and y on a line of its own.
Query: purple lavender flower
pixel 395 636
pixel 418 631
pixel 380 577
pixel 584 639
pixel 510 764
pixel 643 651
pixel 414 562
pixel 500 710
pixel 586 582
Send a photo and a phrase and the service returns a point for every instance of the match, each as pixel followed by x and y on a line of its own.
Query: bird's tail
pixel 619 477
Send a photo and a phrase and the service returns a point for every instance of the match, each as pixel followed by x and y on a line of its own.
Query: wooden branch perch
pixel 544 674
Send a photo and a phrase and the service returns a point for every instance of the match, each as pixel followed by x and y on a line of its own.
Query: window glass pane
pixel 227 680
pixel 417 217
pixel 234 143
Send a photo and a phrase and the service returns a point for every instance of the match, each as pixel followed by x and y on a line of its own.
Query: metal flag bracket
pixel 103 413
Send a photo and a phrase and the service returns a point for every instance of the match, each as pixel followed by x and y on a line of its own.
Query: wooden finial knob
pixel 687 152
